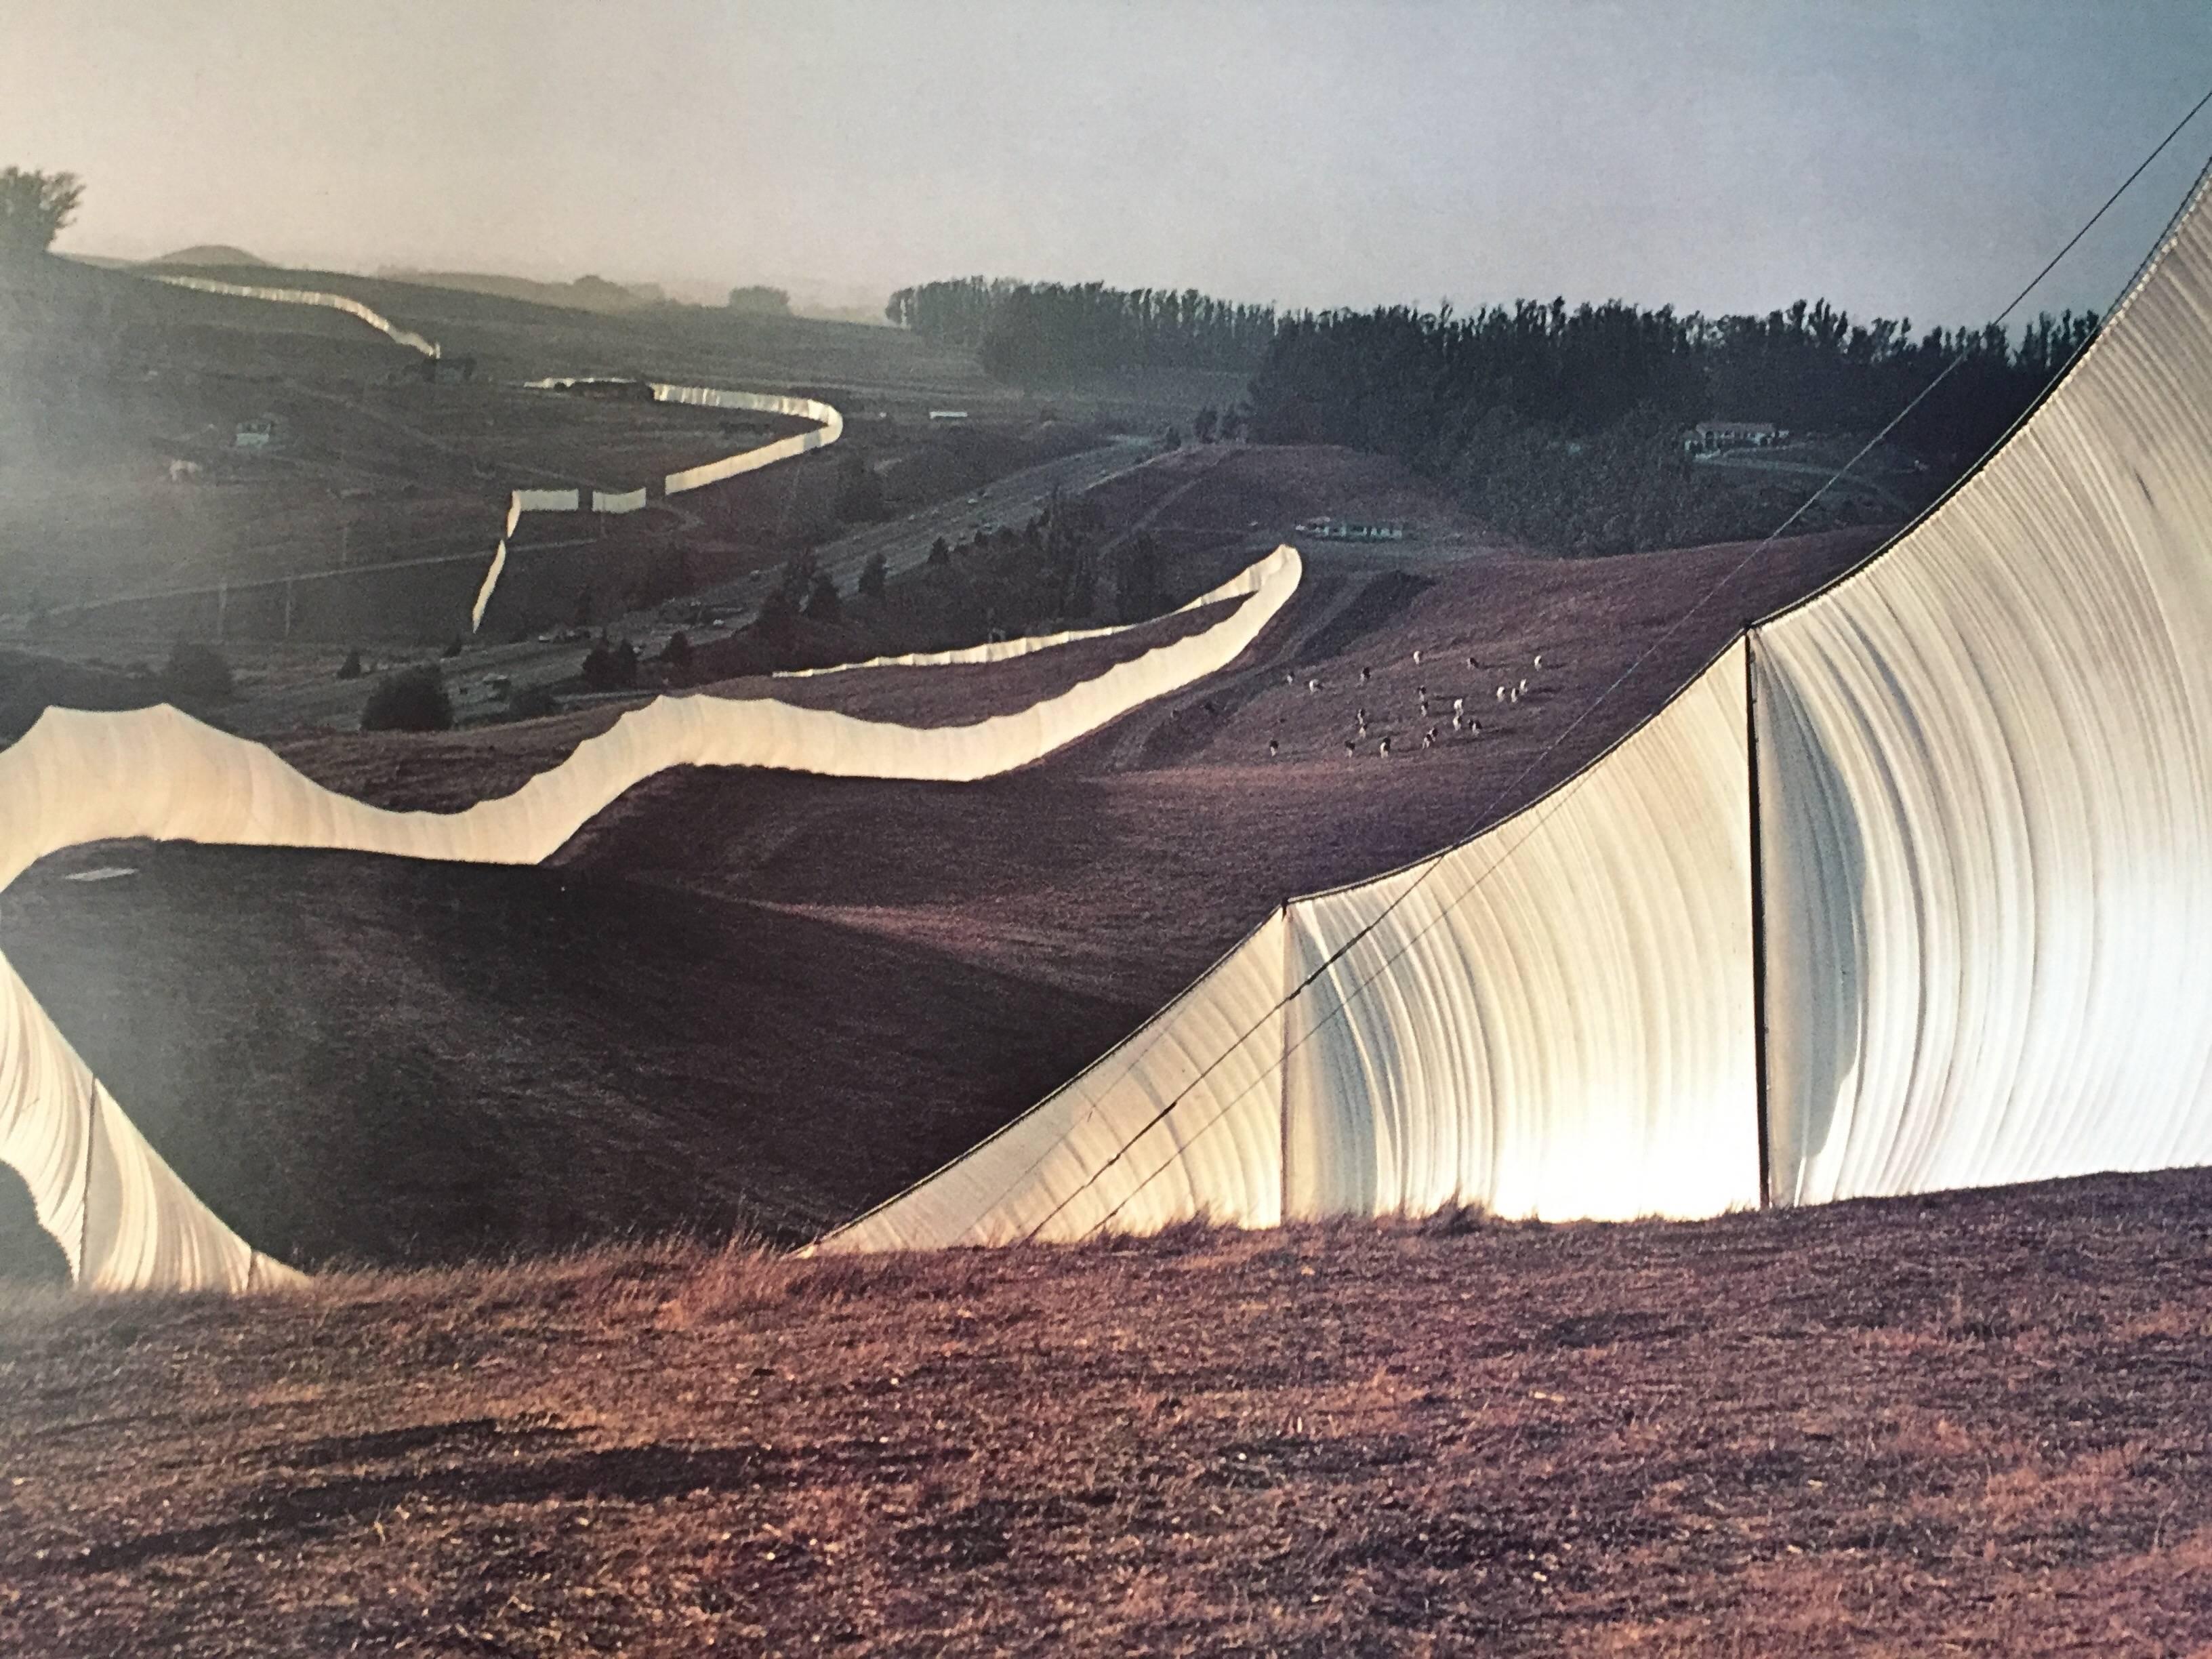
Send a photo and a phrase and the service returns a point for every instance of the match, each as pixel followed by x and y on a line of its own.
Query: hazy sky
pixel 1921 157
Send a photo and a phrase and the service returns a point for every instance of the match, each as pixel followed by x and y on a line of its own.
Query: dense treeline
pixel 1040 333
pixel 1564 427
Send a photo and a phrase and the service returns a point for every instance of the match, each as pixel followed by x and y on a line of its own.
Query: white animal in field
pixel 1313 685
pixel 1273 749
pixel 1417 658
pixel 1524 688
pixel 1385 749
pixel 1539 663
pixel 1501 694
pixel 183 471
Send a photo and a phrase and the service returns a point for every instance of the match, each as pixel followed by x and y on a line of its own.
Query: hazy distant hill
pixel 209 254
pixel 585 293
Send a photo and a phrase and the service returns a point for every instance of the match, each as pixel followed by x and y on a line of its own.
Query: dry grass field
pixel 1968 1424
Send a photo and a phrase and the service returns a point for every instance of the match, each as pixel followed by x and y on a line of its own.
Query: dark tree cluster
pixel 1040 333
pixel 1565 426
pixel 759 300
pixel 33 209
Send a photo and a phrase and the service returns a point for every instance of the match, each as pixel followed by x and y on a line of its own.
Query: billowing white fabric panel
pixel 609 500
pixel 78 777
pixel 1553 1020
pixel 1984 837
pixel 1181 1119
pixel 122 1218
pixel 548 501
pixel 1987 791
pixel 306 296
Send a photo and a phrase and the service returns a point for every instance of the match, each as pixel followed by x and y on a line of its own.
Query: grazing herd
pixel 1432 727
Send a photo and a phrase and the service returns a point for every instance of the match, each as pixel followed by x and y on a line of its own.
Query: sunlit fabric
pixel 1526 1023
pixel 307 296
pixel 1975 929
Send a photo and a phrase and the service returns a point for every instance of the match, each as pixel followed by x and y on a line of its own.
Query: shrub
pixel 822 604
pixel 412 700
pixel 533 702
pixel 350 668
pixel 197 670
pixel 676 655
pixel 873 574
pixel 941 551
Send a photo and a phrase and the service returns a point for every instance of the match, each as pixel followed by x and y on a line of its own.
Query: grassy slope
pixel 1970 1425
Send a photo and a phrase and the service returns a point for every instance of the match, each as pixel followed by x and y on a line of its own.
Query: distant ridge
pixel 209 254
pixel 585 293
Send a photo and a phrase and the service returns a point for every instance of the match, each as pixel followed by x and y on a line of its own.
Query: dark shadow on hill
pixel 355 1057
pixel 29 1254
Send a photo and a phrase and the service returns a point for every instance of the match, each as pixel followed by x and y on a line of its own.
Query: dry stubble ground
pixel 1974 1424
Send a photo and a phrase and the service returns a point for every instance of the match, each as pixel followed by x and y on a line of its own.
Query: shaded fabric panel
pixel 1182 1119
pixel 1988 799
pixel 123 1219
pixel 1554 1018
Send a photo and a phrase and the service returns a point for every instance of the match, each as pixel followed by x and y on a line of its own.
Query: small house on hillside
pixel 258 432
pixel 1708 435
pixel 1349 530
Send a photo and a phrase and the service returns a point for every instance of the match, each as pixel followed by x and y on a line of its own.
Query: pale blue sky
pixel 1916 157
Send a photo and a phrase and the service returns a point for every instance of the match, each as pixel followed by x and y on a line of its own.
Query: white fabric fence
pixel 307 296
pixel 1983 884
pixel 123 1219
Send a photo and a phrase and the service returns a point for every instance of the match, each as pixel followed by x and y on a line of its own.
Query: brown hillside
pixel 771 999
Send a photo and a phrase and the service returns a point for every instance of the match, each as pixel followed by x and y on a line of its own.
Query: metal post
pixel 1757 927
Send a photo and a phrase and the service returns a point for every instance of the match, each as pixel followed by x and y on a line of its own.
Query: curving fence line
pixel 308 296
pixel 830 427
pixel 830 423
pixel 123 1217
pixel 1908 891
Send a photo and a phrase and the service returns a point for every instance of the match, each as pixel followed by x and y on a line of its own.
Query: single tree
pixel 676 655
pixel 822 605
pixel 350 668
pixel 412 700
pixel 1203 423
pixel 941 551
pixel 33 208
pixel 873 574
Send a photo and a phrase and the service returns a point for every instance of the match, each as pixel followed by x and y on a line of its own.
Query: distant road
pixel 903 542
